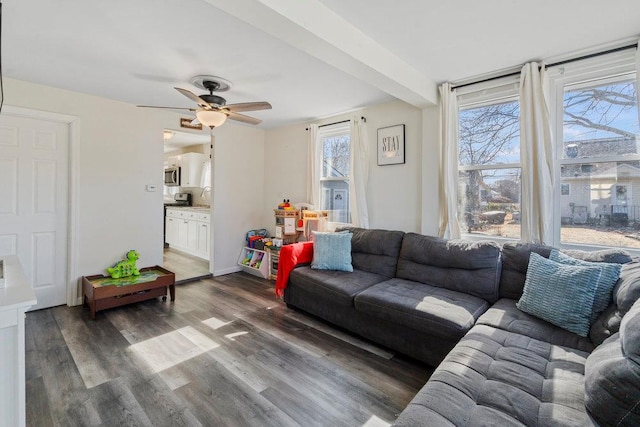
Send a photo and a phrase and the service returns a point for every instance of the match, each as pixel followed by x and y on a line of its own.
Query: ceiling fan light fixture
pixel 211 118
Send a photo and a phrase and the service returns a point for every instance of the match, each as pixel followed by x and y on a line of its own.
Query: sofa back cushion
pixel 625 293
pixel 375 251
pixel 515 260
pixel 459 265
pixel 612 375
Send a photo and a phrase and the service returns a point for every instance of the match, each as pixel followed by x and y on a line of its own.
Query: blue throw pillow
pixel 560 294
pixel 608 279
pixel 332 251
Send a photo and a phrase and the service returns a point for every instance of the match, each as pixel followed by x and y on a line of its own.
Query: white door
pixel 34 182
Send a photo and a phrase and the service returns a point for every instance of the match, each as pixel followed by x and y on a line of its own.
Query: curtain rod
pixel 363 118
pixel 555 64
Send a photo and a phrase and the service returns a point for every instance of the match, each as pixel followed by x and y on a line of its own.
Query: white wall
pixel 430 171
pixel 120 150
pixel 395 193
pixel 238 173
pixel 285 163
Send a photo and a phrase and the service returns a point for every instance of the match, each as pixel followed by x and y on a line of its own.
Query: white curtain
pixel 536 156
pixel 359 171
pixel 638 77
pixel 448 190
pixel 314 157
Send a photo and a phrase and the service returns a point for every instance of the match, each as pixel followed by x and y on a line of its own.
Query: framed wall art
pixel 391 145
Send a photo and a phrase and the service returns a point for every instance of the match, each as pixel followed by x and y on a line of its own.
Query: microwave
pixel 172 177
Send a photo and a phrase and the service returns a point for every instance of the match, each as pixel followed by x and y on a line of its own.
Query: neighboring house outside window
pixel 598 156
pixel 335 173
pixel 594 114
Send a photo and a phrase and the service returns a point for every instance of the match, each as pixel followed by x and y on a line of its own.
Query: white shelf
pixel 255 261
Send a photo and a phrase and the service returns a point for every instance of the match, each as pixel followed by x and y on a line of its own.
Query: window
pixel 599 159
pixel 334 180
pixel 489 171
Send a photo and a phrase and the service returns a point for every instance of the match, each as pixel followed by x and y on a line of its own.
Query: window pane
pixel 490 134
pixel 490 202
pixel 602 206
pixel 335 156
pixel 335 199
pixel 601 120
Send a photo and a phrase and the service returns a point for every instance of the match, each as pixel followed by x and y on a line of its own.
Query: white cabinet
pixel 188 231
pixel 15 299
pixel 172 230
pixel 173 162
pixel 203 239
pixel 191 172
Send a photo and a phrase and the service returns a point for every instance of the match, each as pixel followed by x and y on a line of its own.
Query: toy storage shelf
pixel 254 261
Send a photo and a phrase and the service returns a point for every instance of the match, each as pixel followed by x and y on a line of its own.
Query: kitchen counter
pixel 198 209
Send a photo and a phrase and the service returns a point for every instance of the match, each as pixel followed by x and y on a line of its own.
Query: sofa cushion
pixel 613 256
pixel 625 294
pixel 499 378
pixel 612 388
pixel 627 290
pixel 332 251
pixel 610 273
pixel 515 260
pixel 560 294
pixel 340 286
pixel 505 315
pixel 422 307
pixel 463 266
pixel 375 251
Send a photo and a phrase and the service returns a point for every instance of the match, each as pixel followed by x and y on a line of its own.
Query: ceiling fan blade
pixel 170 108
pixel 192 96
pixel 195 122
pixel 242 118
pixel 248 106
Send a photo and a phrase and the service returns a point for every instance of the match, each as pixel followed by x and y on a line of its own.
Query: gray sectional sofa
pixel 452 304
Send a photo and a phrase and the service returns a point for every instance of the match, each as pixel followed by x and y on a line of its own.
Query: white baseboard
pixel 226 271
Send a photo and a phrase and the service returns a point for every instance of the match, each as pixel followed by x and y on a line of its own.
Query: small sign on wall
pixel 185 122
pixel 391 145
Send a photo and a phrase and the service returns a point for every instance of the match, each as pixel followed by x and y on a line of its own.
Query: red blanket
pixel 290 256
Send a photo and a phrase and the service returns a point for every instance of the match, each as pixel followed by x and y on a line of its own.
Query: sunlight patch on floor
pixel 170 349
pixel 375 422
pixel 215 323
pixel 235 334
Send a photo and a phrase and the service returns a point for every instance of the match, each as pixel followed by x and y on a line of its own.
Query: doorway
pixel 187 206
pixel 34 186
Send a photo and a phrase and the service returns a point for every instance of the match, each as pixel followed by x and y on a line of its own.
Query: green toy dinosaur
pixel 126 267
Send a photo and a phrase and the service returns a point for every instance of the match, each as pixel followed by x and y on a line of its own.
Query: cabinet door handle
pixel 204 225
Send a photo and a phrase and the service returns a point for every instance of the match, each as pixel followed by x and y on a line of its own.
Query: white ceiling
pixel 181 139
pixel 309 59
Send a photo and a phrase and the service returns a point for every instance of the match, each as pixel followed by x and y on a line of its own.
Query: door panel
pixel 34 182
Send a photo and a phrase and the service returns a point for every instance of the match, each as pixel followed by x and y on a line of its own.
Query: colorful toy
pixel 126 267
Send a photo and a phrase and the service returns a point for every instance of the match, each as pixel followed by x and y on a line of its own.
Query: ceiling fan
pixel 213 110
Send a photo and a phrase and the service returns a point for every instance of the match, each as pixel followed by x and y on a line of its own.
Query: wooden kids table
pixel 102 292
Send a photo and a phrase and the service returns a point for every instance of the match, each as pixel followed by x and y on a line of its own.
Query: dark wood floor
pixel 225 353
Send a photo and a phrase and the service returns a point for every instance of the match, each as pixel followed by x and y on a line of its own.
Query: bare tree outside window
pixel 489 144
pixel 600 164
pixel 334 196
pixel 601 161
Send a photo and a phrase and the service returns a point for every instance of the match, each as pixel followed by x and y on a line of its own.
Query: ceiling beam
pixel 318 31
